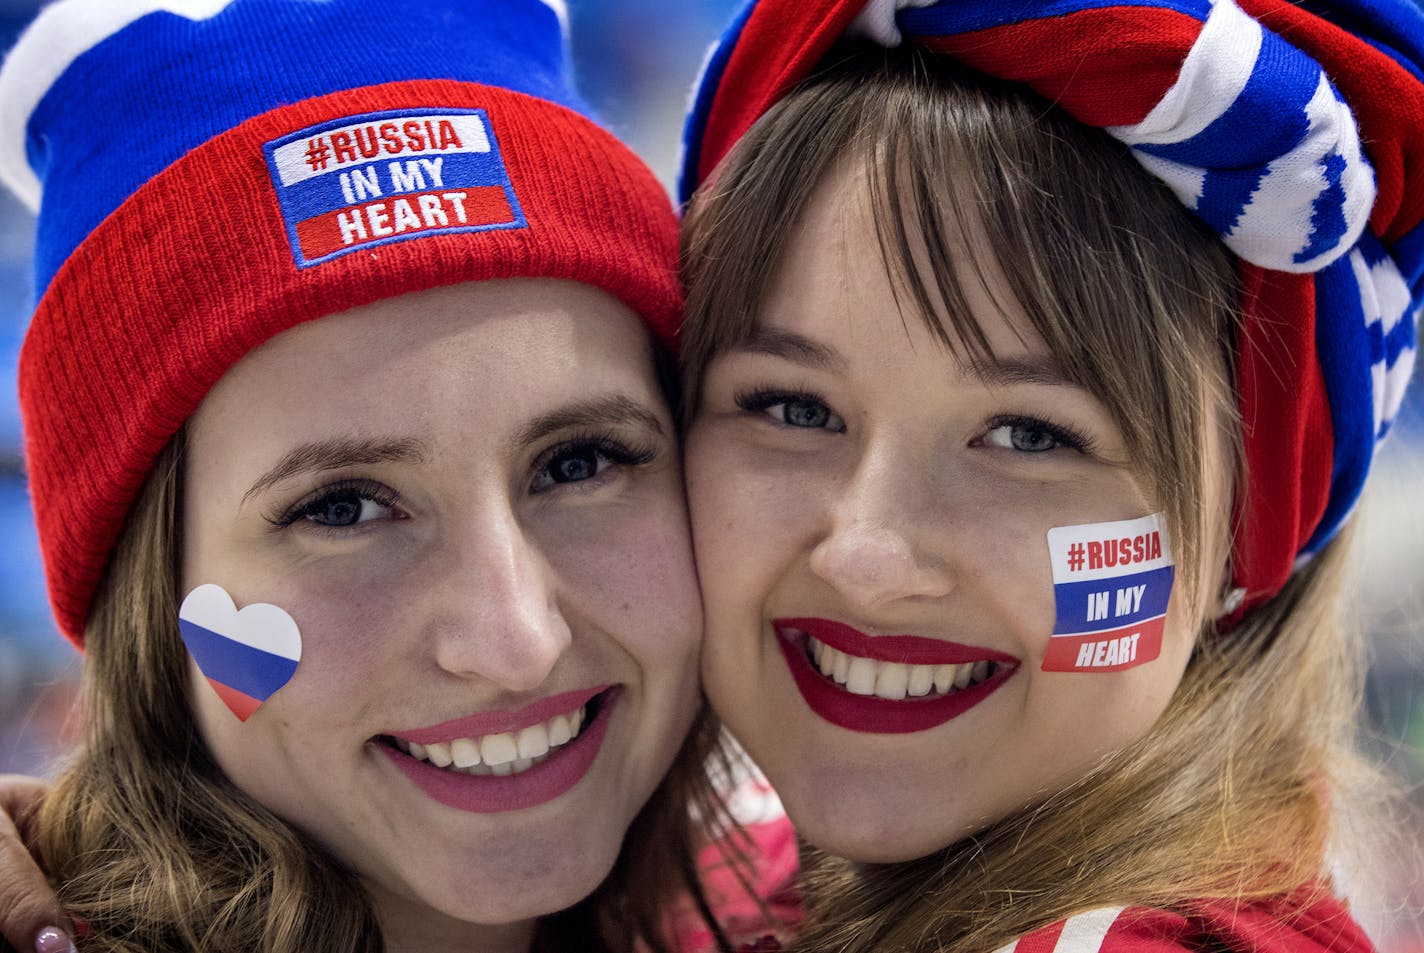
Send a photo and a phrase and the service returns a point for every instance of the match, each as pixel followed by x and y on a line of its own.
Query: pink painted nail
pixel 53 940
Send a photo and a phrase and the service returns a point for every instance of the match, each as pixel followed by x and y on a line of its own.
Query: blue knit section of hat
pixel 165 84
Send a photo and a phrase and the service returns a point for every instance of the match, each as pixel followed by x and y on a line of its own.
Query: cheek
pixel 630 572
pixel 748 517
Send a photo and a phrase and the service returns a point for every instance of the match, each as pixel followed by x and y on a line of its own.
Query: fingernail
pixel 53 940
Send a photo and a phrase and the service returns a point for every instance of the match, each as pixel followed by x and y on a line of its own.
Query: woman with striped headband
pixel 1036 354
pixel 357 481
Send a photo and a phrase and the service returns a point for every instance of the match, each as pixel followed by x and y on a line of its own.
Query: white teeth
pixel 861 680
pixel 532 741
pixel 894 680
pixel 944 677
pixel 466 752
pixel 559 731
pixel 501 754
pixel 498 749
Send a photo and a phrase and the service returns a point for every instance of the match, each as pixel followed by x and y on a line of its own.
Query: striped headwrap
pixel 1296 132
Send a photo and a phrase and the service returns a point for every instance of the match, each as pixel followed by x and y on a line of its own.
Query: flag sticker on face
pixel 1111 584
pixel 384 177
pixel 245 656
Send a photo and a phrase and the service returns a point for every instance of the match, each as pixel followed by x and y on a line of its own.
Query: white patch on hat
pixel 63 32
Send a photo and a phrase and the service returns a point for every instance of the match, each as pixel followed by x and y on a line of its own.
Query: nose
pixel 885 535
pixel 496 616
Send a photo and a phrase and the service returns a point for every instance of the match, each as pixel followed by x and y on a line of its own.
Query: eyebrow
pixel 1033 370
pixel 799 349
pixel 793 347
pixel 334 454
pixel 617 410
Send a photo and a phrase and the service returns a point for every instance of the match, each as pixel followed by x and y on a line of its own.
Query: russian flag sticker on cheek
pixel 246 656
pixel 1111 585
pixel 382 177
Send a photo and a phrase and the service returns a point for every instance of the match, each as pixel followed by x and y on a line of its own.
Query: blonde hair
pixel 1230 794
pixel 156 851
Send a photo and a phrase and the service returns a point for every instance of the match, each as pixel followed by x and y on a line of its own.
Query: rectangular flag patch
pixel 383 177
pixel 1111 583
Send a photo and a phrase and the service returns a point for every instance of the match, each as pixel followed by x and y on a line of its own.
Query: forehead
pixel 847 266
pixel 452 366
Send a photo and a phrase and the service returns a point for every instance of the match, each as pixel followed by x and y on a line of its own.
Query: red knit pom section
pixel 195 270
pixel 1287 431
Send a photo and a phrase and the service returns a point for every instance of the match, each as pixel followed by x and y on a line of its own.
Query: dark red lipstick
pixel 867 713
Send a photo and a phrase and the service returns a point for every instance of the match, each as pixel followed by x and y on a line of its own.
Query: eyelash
pixel 616 451
pixel 1067 437
pixel 758 400
pixel 369 490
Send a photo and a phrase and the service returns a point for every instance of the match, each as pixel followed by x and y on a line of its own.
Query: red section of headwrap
pixel 1387 102
pixel 1103 71
pixel 1287 428
pixel 778 47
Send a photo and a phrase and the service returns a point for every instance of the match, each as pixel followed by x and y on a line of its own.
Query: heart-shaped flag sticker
pixel 245 655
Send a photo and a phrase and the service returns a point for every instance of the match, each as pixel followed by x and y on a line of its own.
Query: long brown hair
pixel 1230 794
pixel 156 851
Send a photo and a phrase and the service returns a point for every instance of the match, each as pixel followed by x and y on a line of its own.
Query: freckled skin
pixel 917 515
pixel 473 591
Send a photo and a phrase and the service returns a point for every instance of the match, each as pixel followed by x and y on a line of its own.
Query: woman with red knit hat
pixel 356 481
pixel 1035 357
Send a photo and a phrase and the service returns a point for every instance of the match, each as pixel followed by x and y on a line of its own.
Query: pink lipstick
pixel 494 722
pixel 564 767
pixel 871 714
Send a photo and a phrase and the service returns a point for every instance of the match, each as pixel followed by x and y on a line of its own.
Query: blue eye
pixel 1029 435
pixel 803 411
pixel 582 460
pixel 342 505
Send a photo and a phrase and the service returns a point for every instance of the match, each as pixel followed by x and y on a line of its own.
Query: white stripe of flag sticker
pixel 1111 584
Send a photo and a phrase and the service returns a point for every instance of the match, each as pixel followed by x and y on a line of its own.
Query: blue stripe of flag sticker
pixel 239 666
pixel 1113 602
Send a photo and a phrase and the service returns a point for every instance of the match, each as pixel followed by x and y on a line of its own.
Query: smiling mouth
pixel 896 680
pixel 889 684
pixel 505 753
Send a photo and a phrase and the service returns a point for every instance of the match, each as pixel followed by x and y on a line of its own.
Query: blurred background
pixel 636 61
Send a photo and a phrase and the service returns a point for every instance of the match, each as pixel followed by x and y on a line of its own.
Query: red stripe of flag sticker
pixel 382 177
pixel 1111 585
pixel 246 656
